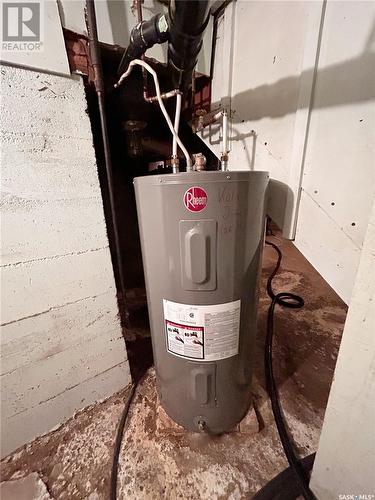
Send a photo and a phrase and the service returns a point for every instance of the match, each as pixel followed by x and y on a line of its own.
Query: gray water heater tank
pixel 202 237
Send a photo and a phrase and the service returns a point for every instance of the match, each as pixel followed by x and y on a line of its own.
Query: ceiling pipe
pixel 188 20
pixel 182 28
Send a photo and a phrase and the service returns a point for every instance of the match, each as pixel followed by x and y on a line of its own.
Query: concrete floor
pixel 161 460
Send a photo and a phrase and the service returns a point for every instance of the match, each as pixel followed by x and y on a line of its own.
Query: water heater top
pixel 205 176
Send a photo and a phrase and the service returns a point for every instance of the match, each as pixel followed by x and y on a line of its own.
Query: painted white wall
pixel 262 50
pixel 338 185
pixel 61 341
pixel 345 461
pixel 300 82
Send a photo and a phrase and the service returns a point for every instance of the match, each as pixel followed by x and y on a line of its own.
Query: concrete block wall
pixel 61 342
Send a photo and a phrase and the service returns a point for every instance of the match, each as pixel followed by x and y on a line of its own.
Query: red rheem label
pixel 195 199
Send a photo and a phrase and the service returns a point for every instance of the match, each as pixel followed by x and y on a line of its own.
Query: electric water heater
pixel 202 237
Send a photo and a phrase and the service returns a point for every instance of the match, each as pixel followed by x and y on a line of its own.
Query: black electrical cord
pixel 284 486
pixel 288 300
pixel 118 441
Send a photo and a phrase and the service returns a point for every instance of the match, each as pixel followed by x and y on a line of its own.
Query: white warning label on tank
pixel 205 333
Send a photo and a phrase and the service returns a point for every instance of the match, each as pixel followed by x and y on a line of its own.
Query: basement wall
pixel 299 80
pixel 338 182
pixel 345 460
pixel 61 342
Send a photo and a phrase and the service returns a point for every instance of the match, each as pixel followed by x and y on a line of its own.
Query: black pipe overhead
pixel 183 28
pixel 187 21
pixel 143 37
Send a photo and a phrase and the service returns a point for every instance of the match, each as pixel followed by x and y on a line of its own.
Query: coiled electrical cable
pixel 292 301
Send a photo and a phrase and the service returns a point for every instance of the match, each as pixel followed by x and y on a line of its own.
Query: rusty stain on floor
pixel 159 459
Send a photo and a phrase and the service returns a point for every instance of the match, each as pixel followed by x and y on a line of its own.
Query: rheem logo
pixel 195 199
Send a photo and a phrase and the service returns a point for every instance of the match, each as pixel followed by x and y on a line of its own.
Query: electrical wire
pixel 118 442
pixel 161 104
pixel 293 301
pixel 284 486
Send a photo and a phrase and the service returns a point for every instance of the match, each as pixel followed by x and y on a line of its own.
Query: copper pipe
pixel 166 95
pixel 139 10
pixel 100 91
